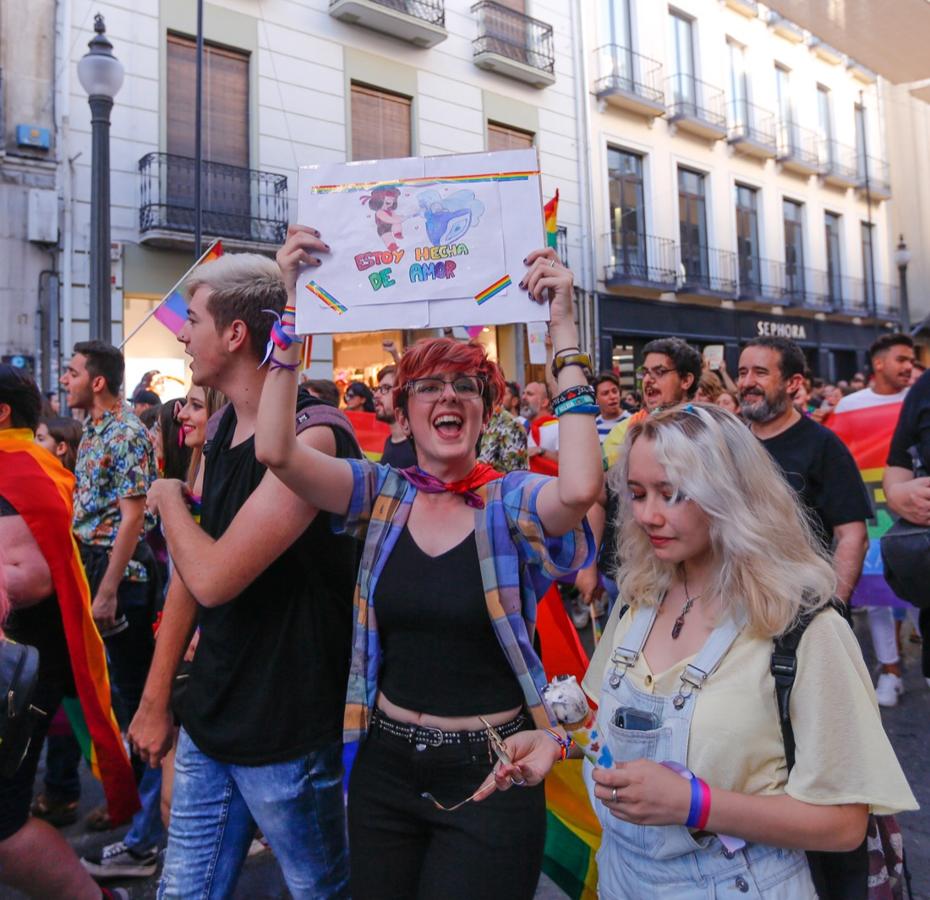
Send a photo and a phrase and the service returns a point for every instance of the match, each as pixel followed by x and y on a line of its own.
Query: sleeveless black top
pixel 439 651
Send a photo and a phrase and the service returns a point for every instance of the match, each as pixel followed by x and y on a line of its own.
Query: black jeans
pixel 402 848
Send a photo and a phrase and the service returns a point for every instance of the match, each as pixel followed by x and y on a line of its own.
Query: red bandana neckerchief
pixel 467 487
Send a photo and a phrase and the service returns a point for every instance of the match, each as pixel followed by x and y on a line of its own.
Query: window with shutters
pixel 502 137
pixel 380 124
pixel 225 132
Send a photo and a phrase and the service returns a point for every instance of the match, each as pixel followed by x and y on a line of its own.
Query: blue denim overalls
pixel 666 861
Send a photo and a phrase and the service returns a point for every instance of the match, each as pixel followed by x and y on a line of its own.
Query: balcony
pixel 851 296
pixel 879 181
pixel 706 271
pixel 838 164
pixel 696 107
pixel 419 22
pixel 752 130
pixel 797 149
pixel 640 261
pixel 785 28
pixel 246 208
pixel 888 301
pixel 513 44
pixel 747 8
pixel 761 280
pixel 629 81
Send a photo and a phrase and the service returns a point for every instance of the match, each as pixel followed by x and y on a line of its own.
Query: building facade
pixel 740 184
pixel 290 85
pixel 29 221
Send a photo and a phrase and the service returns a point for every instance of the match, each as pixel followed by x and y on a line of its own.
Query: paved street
pixel 908 726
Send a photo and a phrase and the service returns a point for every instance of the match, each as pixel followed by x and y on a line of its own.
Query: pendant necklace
pixel 689 602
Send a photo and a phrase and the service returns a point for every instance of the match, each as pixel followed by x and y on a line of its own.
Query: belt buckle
pixel 426 736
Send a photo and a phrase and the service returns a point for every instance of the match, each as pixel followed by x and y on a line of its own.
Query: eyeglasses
pixel 384 389
pixel 656 372
pixel 465 387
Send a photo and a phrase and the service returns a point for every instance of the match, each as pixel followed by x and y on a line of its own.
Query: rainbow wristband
pixel 565 743
pixel 589 409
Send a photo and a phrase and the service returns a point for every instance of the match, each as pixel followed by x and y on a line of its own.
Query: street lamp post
pixel 902 257
pixel 101 75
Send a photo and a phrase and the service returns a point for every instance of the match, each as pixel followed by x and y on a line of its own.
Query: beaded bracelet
pixel 565 743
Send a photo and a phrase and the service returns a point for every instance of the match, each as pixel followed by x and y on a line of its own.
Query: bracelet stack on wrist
pixel 579 399
pixel 571 356
pixel 283 335
pixel 699 808
pixel 566 743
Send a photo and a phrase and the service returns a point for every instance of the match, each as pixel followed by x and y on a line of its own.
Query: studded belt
pixel 424 736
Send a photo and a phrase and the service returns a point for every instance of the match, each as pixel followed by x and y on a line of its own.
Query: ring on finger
pixel 520 783
pixel 613 795
pixel 551 263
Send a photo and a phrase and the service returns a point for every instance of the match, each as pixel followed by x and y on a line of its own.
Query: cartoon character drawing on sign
pixel 447 219
pixel 383 202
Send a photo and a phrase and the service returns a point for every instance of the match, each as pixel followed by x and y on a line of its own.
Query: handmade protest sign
pixel 419 242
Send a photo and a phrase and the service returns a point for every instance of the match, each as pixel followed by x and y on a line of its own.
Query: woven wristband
pixel 565 405
pixel 589 409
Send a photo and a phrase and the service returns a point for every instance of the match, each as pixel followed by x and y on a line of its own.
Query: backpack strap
pixel 784 668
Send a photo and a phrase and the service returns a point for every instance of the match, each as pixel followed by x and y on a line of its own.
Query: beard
pixel 763 409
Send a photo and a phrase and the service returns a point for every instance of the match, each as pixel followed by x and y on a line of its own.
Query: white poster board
pixel 420 242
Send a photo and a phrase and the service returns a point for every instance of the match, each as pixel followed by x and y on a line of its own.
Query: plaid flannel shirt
pixel 518 562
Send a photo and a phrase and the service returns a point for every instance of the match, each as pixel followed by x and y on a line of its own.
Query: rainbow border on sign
pixel 496 288
pixel 326 297
pixel 424 180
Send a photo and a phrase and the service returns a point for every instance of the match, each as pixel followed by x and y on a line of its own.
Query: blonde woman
pixel 718 561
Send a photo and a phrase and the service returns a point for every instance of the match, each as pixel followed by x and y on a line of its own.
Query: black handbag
pixel 906 554
pixel 19 676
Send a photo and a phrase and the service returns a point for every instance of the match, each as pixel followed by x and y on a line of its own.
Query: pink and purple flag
pixel 172 312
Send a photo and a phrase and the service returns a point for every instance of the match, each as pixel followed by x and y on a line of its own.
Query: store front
pixel 834 349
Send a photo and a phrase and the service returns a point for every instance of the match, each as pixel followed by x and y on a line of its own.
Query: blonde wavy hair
pixel 769 564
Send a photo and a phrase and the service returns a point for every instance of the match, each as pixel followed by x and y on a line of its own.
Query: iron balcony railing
pixel 878 177
pixel 761 279
pixel 513 35
pixel 803 286
pixel 797 144
pixel 432 11
pixel 839 161
pixel 689 97
pixel 641 259
pixel 706 270
pixel 620 69
pixel 752 123
pixel 850 295
pixel 237 203
pixel 888 300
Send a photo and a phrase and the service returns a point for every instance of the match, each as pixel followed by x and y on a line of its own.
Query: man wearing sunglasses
pixel 398 448
pixel 670 374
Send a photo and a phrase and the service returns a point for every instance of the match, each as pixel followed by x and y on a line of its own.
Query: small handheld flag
pixel 551 212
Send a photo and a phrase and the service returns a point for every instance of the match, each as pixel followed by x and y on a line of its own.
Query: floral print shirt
pixel 116 459
pixel 503 443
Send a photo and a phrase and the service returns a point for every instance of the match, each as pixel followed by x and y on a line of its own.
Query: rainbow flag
pixel 369 432
pixel 551 213
pixel 41 490
pixel 573 833
pixel 172 311
pixel 498 286
pixel 867 434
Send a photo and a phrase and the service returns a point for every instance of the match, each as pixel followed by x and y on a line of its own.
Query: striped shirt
pixel 518 563
pixel 604 426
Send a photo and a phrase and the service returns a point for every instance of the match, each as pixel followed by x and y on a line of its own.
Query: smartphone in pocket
pixel 635 719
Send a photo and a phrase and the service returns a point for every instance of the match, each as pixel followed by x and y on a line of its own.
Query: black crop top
pixel 439 651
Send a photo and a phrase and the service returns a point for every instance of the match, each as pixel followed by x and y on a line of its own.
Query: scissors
pixel 495 743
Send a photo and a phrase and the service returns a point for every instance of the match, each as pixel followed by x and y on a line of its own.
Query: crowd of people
pixel 263 592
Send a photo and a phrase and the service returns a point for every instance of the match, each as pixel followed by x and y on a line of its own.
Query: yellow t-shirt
pixel 614 440
pixel 843 754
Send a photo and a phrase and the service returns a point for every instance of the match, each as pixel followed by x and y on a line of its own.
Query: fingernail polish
pixel 525 259
pixel 523 284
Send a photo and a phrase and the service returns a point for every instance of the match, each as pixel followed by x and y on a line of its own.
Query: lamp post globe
pixel 101 75
pixel 902 256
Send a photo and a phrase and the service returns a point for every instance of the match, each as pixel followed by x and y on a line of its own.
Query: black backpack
pixel 845 875
pixel 19 675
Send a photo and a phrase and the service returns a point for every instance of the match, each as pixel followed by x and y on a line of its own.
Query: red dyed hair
pixel 431 356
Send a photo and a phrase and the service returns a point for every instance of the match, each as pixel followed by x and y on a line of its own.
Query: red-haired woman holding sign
pixel 455 557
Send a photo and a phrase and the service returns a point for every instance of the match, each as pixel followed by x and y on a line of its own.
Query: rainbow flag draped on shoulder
pixel 867 434
pixel 41 489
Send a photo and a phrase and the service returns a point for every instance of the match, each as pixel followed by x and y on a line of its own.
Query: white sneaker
pixel 889 689
pixel 579 611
